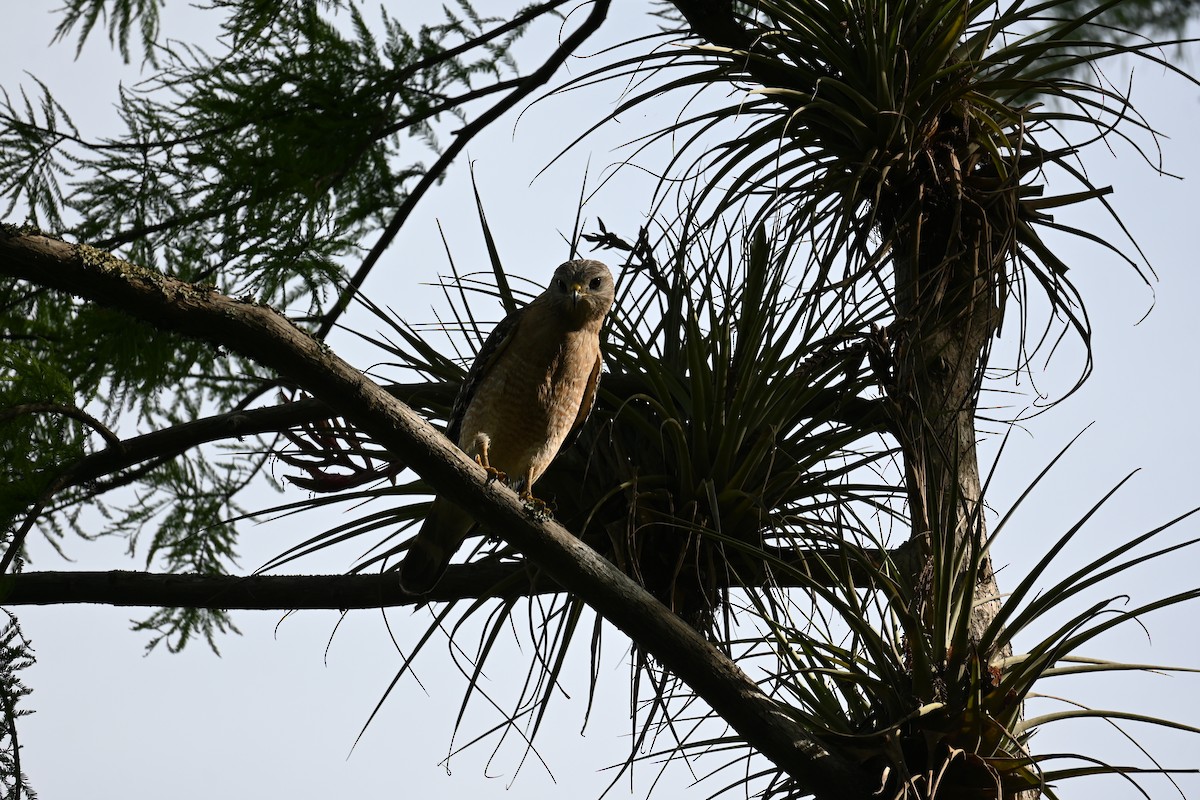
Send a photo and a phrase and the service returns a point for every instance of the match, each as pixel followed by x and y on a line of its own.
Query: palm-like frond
pixel 879 130
pixel 923 708
pixel 884 179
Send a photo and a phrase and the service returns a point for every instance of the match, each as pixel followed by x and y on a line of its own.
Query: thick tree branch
pixel 715 21
pixel 265 336
pixel 480 579
pixel 263 592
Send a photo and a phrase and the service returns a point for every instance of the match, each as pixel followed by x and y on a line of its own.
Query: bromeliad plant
pixel 778 551
pixel 730 402
pixel 727 442
pixel 734 403
pixel 921 705
pixel 909 147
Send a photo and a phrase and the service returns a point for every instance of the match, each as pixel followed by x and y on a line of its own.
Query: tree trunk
pixel 950 250
pixel 946 321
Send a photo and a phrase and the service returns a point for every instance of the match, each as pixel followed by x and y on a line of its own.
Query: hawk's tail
pixel 441 534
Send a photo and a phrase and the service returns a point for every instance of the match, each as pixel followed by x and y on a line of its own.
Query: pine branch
pixel 65 410
pixel 482 579
pixel 265 336
pixel 263 592
pixel 178 439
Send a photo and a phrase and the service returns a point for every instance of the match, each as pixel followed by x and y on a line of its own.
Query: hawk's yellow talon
pixel 537 509
pixel 493 474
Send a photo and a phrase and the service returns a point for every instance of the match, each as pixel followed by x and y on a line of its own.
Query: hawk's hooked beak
pixel 577 291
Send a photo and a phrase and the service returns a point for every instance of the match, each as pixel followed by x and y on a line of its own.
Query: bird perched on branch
pixel 527 394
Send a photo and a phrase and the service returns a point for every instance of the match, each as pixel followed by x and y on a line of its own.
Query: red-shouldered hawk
pixel 528 393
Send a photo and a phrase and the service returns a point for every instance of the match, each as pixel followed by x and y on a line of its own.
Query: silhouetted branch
pixel 488 578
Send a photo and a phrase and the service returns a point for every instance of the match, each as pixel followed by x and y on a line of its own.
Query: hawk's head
pixel 583 289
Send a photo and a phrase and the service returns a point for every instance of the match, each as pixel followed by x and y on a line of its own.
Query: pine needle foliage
pixel 881 131
pixel 16 655
pixel 258 168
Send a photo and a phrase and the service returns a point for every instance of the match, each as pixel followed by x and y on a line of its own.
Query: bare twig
pixel 73 412
pixel 526 87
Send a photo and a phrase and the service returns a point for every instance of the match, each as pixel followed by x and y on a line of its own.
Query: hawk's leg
pixel 538 509
pixel 493 474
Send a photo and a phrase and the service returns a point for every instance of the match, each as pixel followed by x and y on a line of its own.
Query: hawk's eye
pixel 561 284
pixel 595 284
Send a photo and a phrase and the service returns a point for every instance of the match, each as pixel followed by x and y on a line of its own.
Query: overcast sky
pixel 276 715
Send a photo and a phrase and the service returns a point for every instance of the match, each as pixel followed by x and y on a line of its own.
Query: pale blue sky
pixel 276 715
